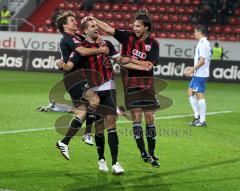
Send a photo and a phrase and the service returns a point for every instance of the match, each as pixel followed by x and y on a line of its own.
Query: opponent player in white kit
pixel 200 74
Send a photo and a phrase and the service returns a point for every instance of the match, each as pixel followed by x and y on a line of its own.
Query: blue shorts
pixel 198 84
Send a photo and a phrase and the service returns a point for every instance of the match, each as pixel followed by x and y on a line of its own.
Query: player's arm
pixel 129 63
pixel 190 70
pixel 104 26
pixel 91 51
pixel 65 67
pixel 83 51
pixel 202 55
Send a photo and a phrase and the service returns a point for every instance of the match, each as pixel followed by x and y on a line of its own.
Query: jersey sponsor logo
pixel 232 73
pixel 148 47
pixel 45 63
pixel 139 54
pixel 10 61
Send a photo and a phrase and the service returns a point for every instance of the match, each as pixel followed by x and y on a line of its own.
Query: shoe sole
pixel 61 152
pixel 87 143
pixel 156 166
pixel 120 173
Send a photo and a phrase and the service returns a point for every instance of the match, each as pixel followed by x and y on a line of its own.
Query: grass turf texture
pixel 191 159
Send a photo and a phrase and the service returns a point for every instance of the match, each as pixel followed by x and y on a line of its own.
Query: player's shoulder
pixel 153 40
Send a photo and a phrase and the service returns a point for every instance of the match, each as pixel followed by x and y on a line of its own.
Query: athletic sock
pixel 202 109
pixel 76 124
pixel 151 138
pixel 89 122
pixel 100 143
pixel 113 144
pixel 193 102
pixel 138 136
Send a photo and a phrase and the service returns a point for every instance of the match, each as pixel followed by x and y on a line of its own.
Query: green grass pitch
pixel 191 159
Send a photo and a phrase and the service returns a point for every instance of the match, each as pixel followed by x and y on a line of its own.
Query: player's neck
pixel 89 39
pixel 201 37
pixel 70 32
pixel 143 37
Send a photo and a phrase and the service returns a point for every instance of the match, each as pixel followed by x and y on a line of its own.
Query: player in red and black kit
pixel 70 41
pixel 140 95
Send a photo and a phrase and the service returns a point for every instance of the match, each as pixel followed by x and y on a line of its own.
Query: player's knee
pixel 149 119
pixel 137 116
pixel 95 100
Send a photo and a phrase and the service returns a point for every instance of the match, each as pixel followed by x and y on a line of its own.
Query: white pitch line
pixel 123 121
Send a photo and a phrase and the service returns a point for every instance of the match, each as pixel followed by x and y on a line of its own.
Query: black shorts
pixel 77 91
pixel 107 104
pixel 144 98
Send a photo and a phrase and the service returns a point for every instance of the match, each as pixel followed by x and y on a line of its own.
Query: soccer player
pixel 200 74
pixel 104 85
pixel 67 26
pixel 140 95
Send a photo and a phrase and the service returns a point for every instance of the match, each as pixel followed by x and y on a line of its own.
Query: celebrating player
pixel 67 26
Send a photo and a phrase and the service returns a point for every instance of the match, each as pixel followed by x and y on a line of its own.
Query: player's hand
pixel 84 20
pixel 104 50
pixel 60 64
pixel 148 65
pixel 188 71
pixel 124 60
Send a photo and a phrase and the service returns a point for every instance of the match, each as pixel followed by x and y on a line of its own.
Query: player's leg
pixel 113 143
pixel 75 125
pixel 100 144
pixel 193 100
pixel 151 136
pixel 138 132
pixel 201 101
pixel 108 100
pixel 76 93
pixel 93 100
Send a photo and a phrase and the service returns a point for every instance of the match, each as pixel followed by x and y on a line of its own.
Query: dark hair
pixel 202 29
pixel 62 20
pixel 83 24
pixel 142 15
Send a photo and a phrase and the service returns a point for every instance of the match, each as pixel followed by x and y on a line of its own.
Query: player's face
pixel 92 30
pixel 197 34
pixel 71 24
pixel 139 29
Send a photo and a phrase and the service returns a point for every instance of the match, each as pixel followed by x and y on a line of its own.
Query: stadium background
pixel 191 159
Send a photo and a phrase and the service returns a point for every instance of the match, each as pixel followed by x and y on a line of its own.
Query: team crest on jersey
pixel 148 47
pixel 75 40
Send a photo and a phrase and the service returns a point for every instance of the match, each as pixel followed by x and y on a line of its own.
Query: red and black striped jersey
pixel 97 69
pixel 147 50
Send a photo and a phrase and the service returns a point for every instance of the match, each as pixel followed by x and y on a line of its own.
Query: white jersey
pixel 204 50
